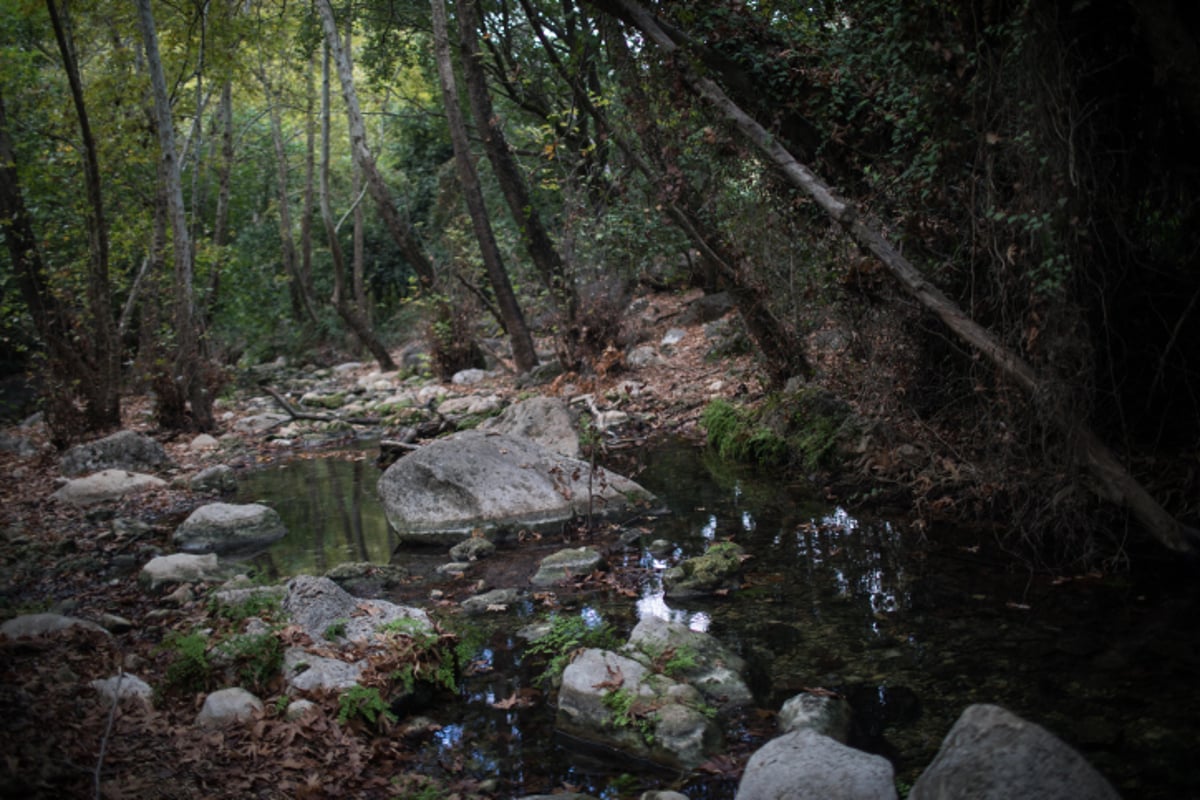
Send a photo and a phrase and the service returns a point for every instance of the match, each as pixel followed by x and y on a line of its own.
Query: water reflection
pixel 330 509
pixel 828 600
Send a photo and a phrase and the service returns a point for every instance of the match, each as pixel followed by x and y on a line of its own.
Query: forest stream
pixel 911 628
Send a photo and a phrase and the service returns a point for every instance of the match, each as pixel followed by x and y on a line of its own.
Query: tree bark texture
pixel 398 226
pixel 524 355
pixel 103 389
pixel 542 251
pixel 342 302
pixel 302 308
pixel 189 372
pixel 1115 482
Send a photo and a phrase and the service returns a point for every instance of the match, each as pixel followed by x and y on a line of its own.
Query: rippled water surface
pixel 911 629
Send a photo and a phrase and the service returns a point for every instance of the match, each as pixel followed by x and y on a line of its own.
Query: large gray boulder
pixel 992 754
pixel 499 484
pixel 126 450
pixel 695 657
pixel 611 700
pixel 547 421
pixel 108 484
pixel 804 765
pixel 228 527
pixel 331 618
pixel 317 604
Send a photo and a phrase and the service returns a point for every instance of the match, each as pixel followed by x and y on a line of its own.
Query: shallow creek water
pixel 910 628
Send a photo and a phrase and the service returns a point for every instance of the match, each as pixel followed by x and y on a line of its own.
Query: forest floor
pixel 60 740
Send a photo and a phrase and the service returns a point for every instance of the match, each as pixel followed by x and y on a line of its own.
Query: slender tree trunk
pixel 220 234
pixel 189 370
pixel 524 354
pixel 341 301
pixel 308 204
pixel 102 389
pixel 302 307
pixel 542 251
pixel 399 227
pixel 358 236
pixel 1115 482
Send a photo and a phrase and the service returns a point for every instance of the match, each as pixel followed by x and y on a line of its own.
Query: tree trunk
pixel 308 204
pixel 102 389
pixel 341 301
pixel 399 227
pixel 50 319
pixel 1115 482
pixel 542 251
pixel 524 354
pixel 224 179
pixel 358 235
pixel 189 370
pixel 302 308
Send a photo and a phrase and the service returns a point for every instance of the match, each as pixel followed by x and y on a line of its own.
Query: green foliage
pixel 189 669
pixel 737 436
pixel 674 661
pixel 565 637
pixel 628 713
pixel 416 653
pixel 335 629
pixel 257 658
pixel 363 702
pixel 261 605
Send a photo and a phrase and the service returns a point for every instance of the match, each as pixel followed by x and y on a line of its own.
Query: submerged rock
pixel 365 579
pixel 992 754
pixel 719 568
pixel 498 484
pixel 574 562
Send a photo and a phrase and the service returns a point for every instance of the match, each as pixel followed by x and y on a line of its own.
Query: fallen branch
pixel 310 417
pixel 1114 481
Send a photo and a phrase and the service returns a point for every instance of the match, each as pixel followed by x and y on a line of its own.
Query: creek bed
pixel 910 628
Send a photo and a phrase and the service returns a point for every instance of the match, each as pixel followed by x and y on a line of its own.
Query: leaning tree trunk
pixel 188 370
pixel 1115 482
pixel 342 302
pixel 102 389
pixel 399 228
pixel 542 252
pixel 524 354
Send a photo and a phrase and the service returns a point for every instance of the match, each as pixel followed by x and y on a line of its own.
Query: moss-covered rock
pixel 719 568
